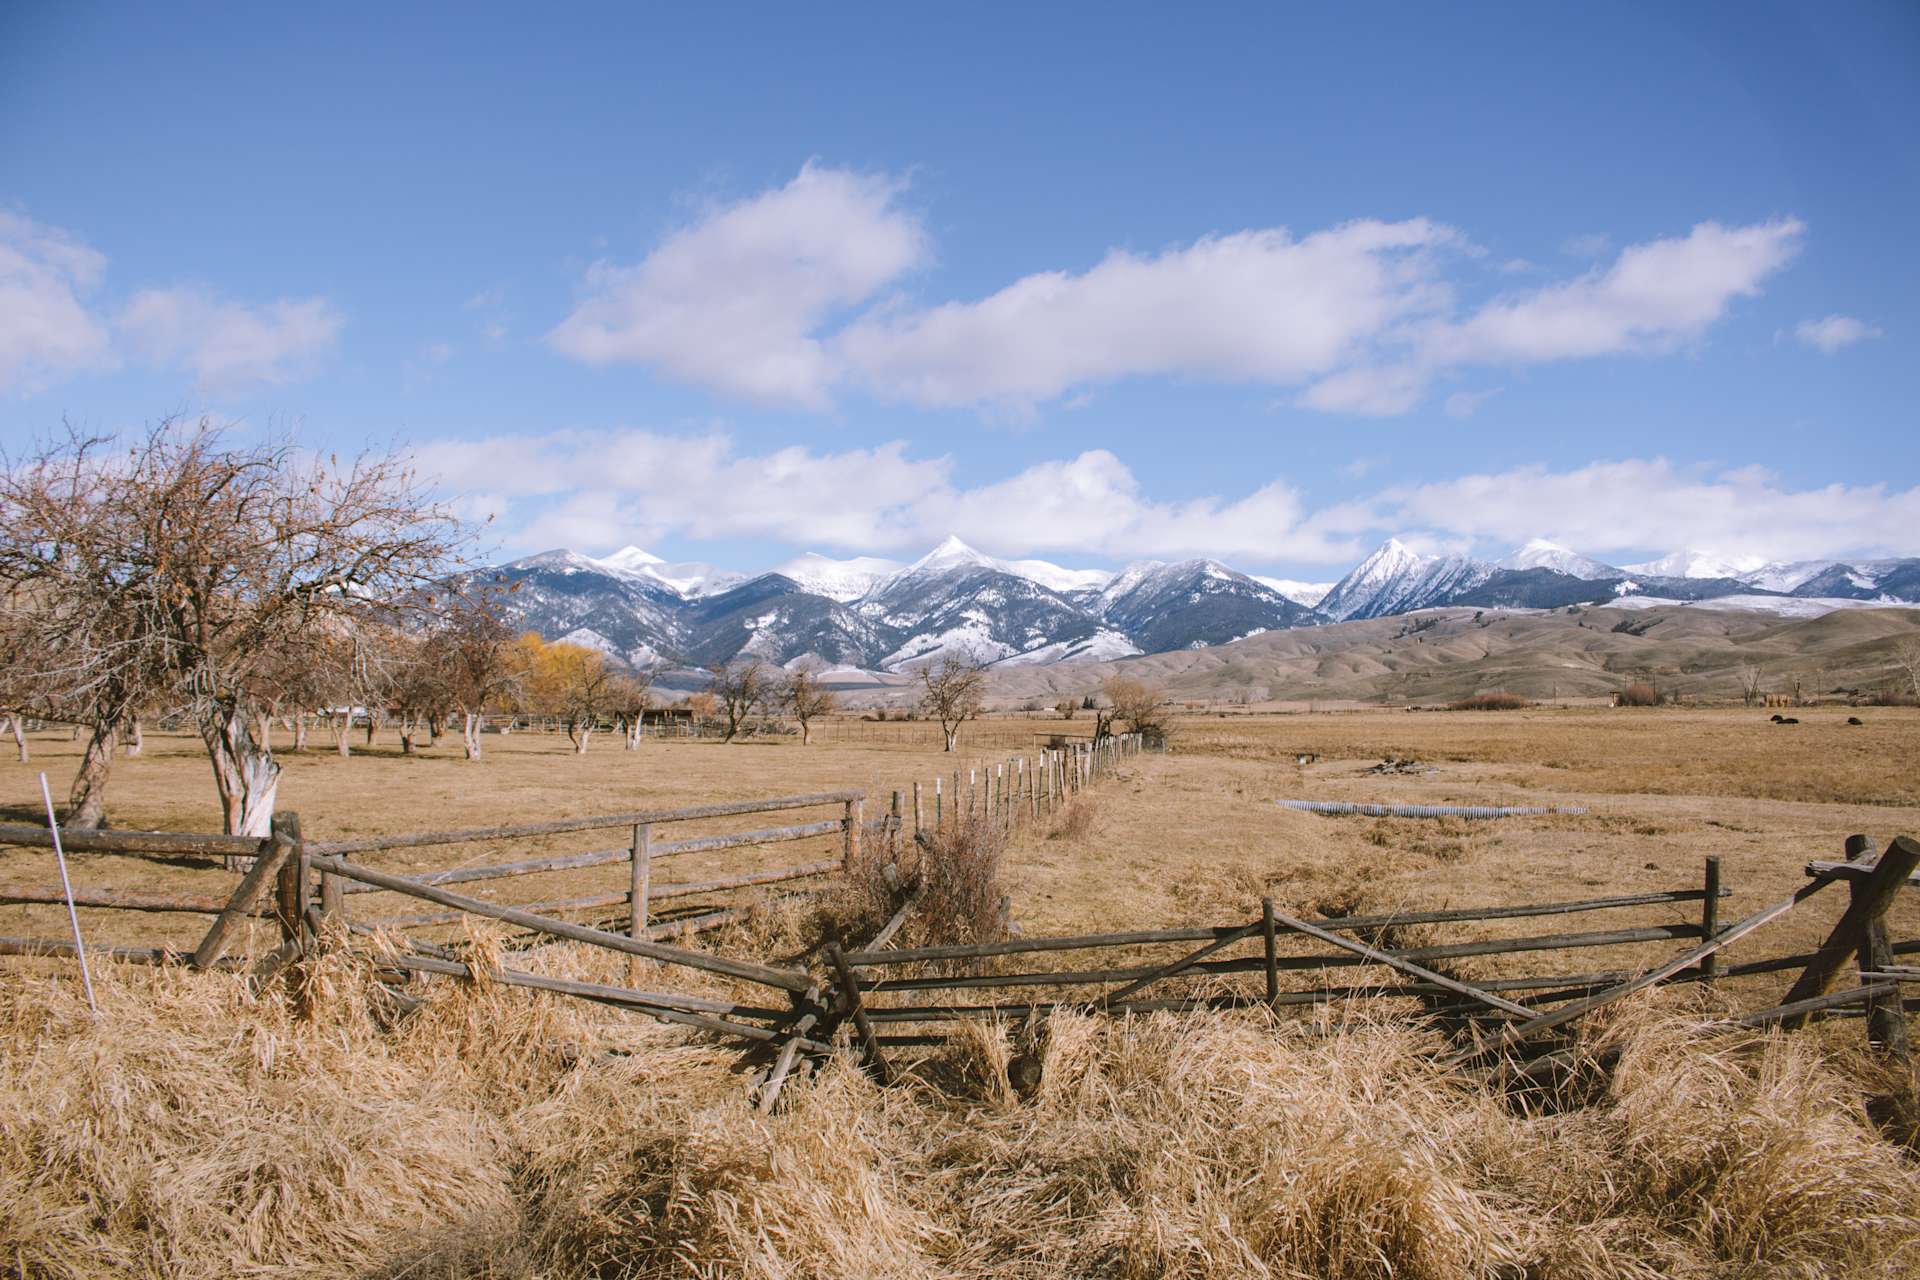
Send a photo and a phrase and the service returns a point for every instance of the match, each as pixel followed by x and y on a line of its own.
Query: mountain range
pixel 872 614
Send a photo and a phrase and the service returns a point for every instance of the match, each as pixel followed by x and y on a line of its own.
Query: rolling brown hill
pixel 1443 654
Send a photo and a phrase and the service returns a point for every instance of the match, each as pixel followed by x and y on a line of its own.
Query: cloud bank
pixel 599 490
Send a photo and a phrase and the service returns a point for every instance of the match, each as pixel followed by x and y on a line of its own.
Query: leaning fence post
pixel 893 827
pixel 1886 1016
pixel 850 1004
pixel 1710 917
pixel 1873 893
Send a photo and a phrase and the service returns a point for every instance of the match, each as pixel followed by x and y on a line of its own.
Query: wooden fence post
pixel 290 889
pixel 1710 917
pixel 856 814
pixel 639 880
pixel 893 827
pixel 1273 943
pixel 1872 893
pixel 919 824
pixel 850 1005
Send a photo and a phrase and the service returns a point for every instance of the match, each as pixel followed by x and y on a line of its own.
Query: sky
pixel 1095 283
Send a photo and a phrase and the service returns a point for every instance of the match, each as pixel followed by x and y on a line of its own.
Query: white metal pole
pixel 66 887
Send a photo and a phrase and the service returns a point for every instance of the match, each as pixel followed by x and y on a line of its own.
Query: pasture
pixel 525 1136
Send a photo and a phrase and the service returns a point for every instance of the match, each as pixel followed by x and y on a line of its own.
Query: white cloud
pixel 781 298
pixel 228 345
pixel 1831 333
pixel 46 331
pixel 1654 296
pixel 735 301
pixel 1255 306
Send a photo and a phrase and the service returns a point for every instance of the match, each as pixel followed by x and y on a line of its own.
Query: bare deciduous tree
pixel 807 699
pixel 630 694
pixel 1906 656
pixel 178 567
pixel 479 661
pixel 741 688
pixel 1141 707
pixel 953 690
pixel 1750 682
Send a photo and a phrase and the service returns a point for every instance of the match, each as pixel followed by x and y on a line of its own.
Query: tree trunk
pixel 136 740
pixel 244 772
pixel 265 734
pixel 953 735
pixel 632 730
pixel 19 735
pixel 299 731
pixel 433 728
pixel 87 802
pixel 806 733
pixel 470 735
pixel 342 726
pixel 373 723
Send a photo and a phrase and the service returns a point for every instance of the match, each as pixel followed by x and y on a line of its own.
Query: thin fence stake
pixel 66 887
pixel 1273 956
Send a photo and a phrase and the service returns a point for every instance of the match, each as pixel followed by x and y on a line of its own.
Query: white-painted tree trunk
pixel 19 735
pixel 470 735
pixel 136 740
pixel 244 772
pixel 342 726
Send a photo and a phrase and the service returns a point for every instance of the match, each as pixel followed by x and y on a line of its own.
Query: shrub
pixel 954 875
pixel 1499 700
pixel 1637 694
pixel 1074 821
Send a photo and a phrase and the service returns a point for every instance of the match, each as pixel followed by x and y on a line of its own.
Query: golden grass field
pixel 198 1131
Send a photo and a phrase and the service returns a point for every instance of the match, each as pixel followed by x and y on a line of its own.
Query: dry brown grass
pixel 198 1132
pixel 194 1131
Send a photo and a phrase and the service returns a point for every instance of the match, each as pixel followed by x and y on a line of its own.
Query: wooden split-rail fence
pixel 870 1000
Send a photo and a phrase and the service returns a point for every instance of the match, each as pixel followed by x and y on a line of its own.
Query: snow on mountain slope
pixel 1785 606
pixel 1309 594
pixel 1696 564
pixel 1543 554
pixel 1396 579
pixel 842 580
pixel 1784 576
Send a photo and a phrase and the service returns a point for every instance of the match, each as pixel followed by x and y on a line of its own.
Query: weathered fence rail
pixel 866 1000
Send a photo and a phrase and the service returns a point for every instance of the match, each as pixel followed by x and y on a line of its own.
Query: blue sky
pixel 1093 283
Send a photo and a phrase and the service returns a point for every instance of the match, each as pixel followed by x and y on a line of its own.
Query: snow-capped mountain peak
pixel 632 558
pixel 1542 553
pixel 952 551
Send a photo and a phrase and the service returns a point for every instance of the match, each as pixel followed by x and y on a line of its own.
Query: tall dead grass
pixel 196 1131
